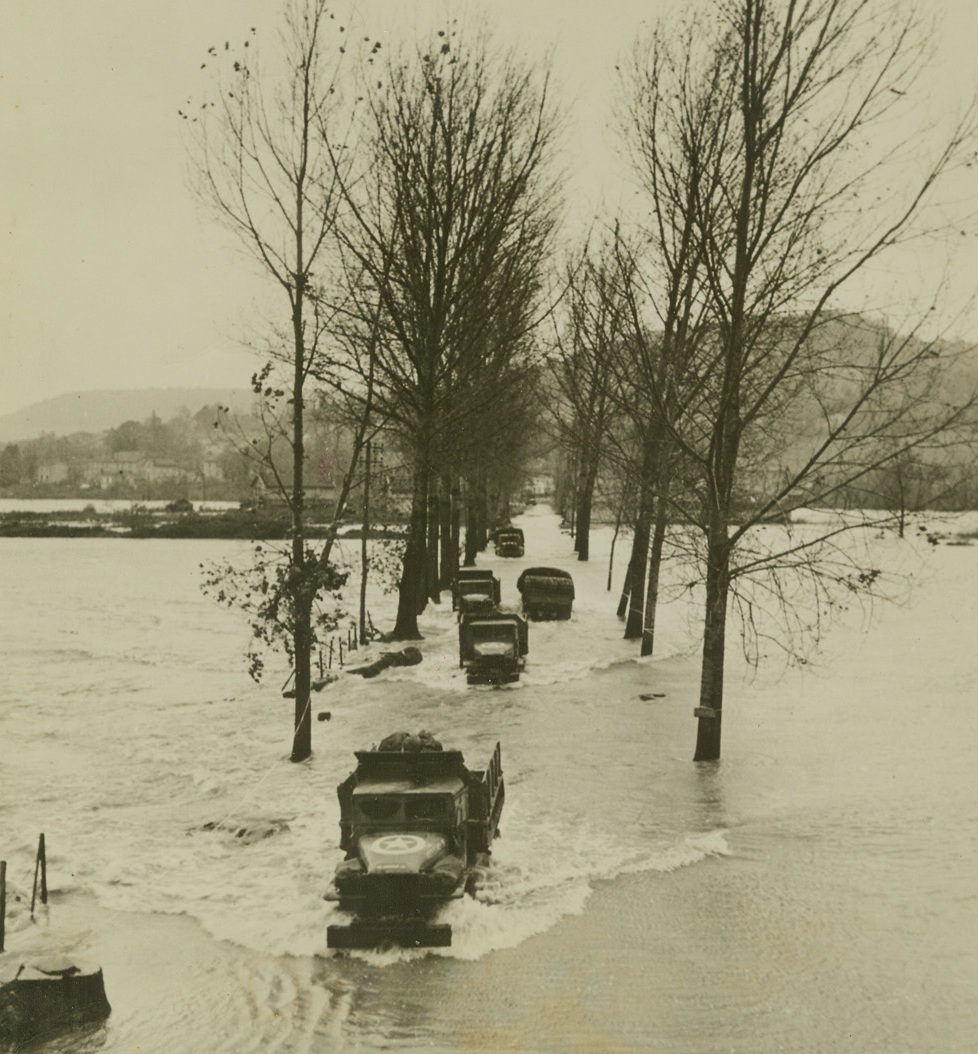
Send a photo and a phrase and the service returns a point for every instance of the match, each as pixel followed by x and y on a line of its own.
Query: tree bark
pixel 411 589
pixel 652 584
pixel 302 642
pixel 471 524
pixel 433 585
pixel 637 565
pixel 710 710
pixel 582 533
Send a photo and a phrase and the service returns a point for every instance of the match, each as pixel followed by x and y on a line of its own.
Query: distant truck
pixel 547 593
pixel 416 826
pixel 492 647
pixel 509 541
pixel 475 589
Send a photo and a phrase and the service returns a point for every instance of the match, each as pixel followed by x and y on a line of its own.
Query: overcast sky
pixel 110 275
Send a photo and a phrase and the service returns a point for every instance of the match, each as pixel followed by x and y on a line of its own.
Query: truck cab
pixel 509 541
pixel 492 648
pixel 475 589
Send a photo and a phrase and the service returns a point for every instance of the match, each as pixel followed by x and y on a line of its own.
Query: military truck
pixel 492 647
pixel 417 828
pixel 547 593
pixel 509 541
pixel 475 589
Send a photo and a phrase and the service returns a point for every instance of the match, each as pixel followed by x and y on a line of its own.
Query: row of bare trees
pixel 729 383
pixel 401 207
pixel 404 208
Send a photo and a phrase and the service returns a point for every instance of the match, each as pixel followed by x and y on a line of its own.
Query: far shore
pixel 169 523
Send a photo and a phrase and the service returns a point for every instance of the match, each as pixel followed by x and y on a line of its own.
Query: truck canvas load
pixel 416 826
pixel 492 647
pixel 547 592
pixel 475 589
pixel 509 541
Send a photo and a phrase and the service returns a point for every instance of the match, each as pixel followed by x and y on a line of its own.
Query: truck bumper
pixel 400 933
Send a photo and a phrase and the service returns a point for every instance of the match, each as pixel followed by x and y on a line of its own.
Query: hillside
pixel 98 411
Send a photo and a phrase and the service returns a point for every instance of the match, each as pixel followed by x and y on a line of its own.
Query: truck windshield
pixel 386 808
pixel 427 807
pixel 504 633
pixel 409 808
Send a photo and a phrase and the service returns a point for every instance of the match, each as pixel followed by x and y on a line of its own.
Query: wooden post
pixel 365 530
pixel 341 652
pixel 40 868
pixel 3 899
pixel 329 661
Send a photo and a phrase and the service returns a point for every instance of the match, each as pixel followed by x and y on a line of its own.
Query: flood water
pixel 815 891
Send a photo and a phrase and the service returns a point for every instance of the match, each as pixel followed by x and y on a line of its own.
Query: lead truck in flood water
pixel 416 825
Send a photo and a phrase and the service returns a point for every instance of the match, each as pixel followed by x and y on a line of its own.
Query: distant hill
pixel 100 410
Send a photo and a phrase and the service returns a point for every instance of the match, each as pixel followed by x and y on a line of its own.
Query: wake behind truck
pixel 416 825
pixel 492 646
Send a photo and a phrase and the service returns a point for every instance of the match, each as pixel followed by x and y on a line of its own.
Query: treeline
pixel 692 355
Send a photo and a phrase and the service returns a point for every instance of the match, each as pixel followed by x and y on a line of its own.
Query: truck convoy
pixel 416 826
pixel 547 592
pixel 492 647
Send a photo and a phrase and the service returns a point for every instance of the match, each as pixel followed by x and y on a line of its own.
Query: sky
pixel 112 276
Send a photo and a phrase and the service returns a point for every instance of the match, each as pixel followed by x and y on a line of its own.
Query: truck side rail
pixel 488 796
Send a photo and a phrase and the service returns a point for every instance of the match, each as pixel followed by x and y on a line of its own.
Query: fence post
pixel 40 867
pixel 3 900
pixel 330 658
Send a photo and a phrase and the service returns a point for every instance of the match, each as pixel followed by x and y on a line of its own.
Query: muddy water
pixel 813 892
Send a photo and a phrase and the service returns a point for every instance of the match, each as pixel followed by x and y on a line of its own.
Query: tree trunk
pixel 614 540
pixel 652 585
pixel 710 710
pixel 471 525
pixel 449 543
pixel 482 512
pixel 302 642
pixel 455 526
pixel 582 533
pixel 364 544
pixel 411 589
pixel 637 565
pixel 433 587
pixel 302 595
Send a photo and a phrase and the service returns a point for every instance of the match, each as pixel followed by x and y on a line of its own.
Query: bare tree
pixel 263 163
pixel 451 217
pixel 582 372
pixel 769 110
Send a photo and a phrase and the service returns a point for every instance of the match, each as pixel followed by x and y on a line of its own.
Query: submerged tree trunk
pixel 637 565
pixel 652 585
pixel 433 585
pixel 411 589
pixel 471 525
pixel 302 643
pixel 455 529
pixel 582 534
pixel 614 540
pixel 448 539
pixel 710 710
